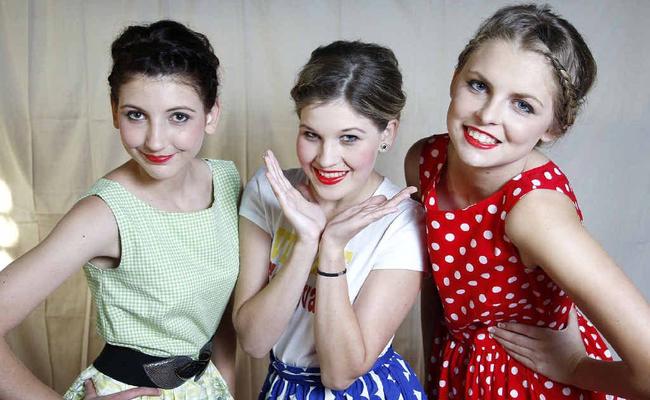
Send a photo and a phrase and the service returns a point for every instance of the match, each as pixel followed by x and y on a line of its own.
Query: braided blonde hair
pixel 537 28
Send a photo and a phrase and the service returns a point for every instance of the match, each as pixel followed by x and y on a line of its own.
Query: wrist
pixel 330 247
pixel 327 274
pixel 306 244
pixel 331 259
pixel 579 366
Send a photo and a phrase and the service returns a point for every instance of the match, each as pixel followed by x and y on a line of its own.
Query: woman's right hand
pixel 91 393
pixel 302 211
pixel 553 353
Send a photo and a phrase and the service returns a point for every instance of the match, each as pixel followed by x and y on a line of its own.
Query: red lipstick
pixel 474 142
pixel 158 159
pixel 326 180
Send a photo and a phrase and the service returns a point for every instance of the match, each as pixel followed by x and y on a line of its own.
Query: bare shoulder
pixel 90 224
pixel 540 218
pixel 541 208
pixel 87 231
pixel 412 164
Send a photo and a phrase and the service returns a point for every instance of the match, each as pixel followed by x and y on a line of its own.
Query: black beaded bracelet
pixel 331 274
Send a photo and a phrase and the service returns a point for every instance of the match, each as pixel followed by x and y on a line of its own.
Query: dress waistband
pixel 311 375
pixel 135 368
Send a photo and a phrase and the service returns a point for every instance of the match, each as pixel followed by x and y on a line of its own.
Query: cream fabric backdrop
pixel 56 135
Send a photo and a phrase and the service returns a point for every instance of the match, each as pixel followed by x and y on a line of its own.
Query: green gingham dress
pixel 176 273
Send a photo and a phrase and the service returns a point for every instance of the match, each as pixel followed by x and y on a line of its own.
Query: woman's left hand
pixel 345 225
pixel 553 353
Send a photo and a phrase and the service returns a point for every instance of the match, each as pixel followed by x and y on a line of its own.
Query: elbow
pixel 252 344
pixel 252 347
pixel 336 382
pixel 254 350
pixel 337 378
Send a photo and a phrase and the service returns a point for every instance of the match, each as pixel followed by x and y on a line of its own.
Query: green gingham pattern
pixel 176 272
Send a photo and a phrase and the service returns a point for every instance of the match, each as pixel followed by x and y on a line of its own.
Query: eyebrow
pixel 354 128
pixel 520 95
pixel 179 108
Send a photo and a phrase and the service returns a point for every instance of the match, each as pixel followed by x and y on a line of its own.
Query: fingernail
pixel 491 329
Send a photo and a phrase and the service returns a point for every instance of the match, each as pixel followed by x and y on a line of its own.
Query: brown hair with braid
pixel 536 28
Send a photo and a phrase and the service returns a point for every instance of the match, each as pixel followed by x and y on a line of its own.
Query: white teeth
pixel 331 174
pixel 482 138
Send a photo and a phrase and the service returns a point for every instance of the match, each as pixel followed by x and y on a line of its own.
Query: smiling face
pixel 337 149
pixel 162 123
pixel 501 106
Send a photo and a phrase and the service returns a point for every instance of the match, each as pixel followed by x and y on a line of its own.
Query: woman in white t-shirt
pixel 332 254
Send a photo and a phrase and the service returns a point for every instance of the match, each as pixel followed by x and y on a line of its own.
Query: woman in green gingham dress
pixel 157 235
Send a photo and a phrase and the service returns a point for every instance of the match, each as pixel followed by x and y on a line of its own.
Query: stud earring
pixel 383 147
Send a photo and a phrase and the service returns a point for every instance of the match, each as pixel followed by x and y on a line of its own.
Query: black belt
pixel 138 369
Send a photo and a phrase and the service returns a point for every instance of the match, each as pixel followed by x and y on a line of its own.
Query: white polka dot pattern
pixel 482 281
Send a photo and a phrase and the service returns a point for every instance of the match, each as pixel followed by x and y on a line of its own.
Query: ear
pixel 552 134
pixel 114 111
pixel 549 136
pixel 452 84
pixel 389 134
pixel 212 118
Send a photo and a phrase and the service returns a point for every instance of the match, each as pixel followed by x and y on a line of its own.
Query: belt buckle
pixel 172 372
pixel 162 373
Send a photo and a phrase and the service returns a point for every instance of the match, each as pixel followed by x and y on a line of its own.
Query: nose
pixel 490 112
pixel 155 140
pixel 328 155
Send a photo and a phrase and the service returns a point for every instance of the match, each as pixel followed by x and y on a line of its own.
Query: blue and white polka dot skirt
pixel 391 378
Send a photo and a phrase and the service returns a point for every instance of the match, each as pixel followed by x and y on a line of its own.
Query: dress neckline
pixel 166 212
pixel 442 159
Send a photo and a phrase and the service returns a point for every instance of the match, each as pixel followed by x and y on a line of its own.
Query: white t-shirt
pixel 394 242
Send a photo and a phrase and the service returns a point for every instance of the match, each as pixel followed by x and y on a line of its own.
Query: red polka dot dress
pixel 481 281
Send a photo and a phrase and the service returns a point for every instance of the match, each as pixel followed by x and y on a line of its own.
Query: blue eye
pixel 179 117
pixel 524 107
pixel 135 115
pixel 349 139
pixel 477 86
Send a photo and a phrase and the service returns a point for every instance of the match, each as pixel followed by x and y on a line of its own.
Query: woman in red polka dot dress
pixel 504 230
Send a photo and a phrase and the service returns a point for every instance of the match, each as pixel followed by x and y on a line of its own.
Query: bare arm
pixel 412 167
pixel 263 309
pixel 27 281
pixel 349 338
pixel 430 307
pixel 431 321
pixel 546 230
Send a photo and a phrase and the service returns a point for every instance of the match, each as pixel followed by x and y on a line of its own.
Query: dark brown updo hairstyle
pixel 365 75
pixel 165 48
pixel 536 28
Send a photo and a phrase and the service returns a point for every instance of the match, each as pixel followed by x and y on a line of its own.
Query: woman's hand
pixel 302 211
pixel 91 393
pixel 554 353
pixel 345 225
